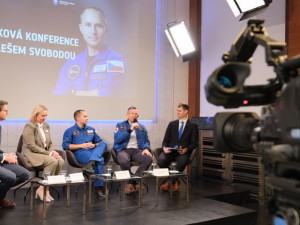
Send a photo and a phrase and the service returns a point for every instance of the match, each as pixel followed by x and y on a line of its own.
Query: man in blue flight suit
pixel 88 148
pixel 132 144
pixel 98 71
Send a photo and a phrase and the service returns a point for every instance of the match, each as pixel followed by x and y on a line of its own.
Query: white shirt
pixel 42 133
pixel 132 143
pixel 184 123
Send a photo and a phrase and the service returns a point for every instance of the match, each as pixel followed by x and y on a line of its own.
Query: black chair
pixel 33 169
pixel 158 151
pixel 132 164
pixel 74 163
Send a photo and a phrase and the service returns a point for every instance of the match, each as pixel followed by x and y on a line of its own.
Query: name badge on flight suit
pixel 90 132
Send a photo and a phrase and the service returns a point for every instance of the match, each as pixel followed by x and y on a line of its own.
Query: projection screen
pixel 67 57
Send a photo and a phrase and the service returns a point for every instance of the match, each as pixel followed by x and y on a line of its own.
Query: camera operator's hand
pixel 166 150
pixel 183 151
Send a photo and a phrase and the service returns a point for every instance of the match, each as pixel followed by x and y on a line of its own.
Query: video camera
pixel 276 135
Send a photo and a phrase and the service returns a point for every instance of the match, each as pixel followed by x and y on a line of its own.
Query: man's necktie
pixel 180 130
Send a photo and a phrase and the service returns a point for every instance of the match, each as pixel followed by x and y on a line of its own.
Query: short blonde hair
pixel 38 109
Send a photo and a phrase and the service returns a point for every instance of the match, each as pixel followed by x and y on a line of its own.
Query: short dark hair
pixel 2 103
pixel 98 10
pixel 184 106
pixel 77 113
pixel 131 107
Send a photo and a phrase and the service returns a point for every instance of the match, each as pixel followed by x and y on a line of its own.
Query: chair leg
pixel 76 192
pixel 184 181
pixel 147 188
pixel 26 194
pixel 55 191
pixel 20 187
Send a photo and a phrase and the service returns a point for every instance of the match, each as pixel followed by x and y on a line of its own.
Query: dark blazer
pixel 189 138
pixel 1 152
pixel 1 155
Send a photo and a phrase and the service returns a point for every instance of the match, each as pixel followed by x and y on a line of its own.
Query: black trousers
pixel 164 160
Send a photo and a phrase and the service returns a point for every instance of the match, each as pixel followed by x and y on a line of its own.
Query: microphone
pixel 139 128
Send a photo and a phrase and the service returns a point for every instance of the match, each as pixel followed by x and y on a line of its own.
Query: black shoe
pixel 89 168
pixel 99 192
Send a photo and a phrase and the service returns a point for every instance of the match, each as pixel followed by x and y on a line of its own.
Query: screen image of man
pixel 98 71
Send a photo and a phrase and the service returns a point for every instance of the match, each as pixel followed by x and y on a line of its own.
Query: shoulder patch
pixel 123 127
pixel 73 72
pixel 76 132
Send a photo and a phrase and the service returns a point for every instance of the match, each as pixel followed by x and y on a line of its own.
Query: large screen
pixel 97 55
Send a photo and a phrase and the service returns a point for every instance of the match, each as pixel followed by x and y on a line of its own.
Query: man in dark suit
pixel 180 139
pixel 11 173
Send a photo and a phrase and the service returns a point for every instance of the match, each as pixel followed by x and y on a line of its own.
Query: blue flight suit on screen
pixel 103 75
pixel 122 136
pixel 78 135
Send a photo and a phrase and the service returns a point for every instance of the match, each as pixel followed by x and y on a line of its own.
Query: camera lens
pixel 233 131
pixel 226 81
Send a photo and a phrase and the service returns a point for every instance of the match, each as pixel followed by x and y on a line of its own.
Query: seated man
pixel 11 174
pixel 180 134
pixel 88 148
pixel 132 144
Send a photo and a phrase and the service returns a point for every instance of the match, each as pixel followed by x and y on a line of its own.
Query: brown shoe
pixel 176 186
pixel 137 187
pixel 5 203
pixel 165 186
pixel 129 189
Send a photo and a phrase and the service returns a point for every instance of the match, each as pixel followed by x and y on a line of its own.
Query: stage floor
pixel 201 209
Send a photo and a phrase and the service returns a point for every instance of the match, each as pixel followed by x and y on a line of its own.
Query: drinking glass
pixel 63 172
pixel 173 166
pixel 46 174
pixel 153 165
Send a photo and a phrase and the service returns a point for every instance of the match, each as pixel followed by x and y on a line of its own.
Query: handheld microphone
pixel 139 128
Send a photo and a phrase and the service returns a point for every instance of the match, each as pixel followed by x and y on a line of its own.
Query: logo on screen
pixel 55 2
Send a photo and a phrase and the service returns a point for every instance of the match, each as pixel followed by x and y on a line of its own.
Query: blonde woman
pixel 37 147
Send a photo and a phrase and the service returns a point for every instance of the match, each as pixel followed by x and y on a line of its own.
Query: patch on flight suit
pixel 115 66
pixel 76 132
pixel 123 127
pixel 90 132
pixel 99 68
pixel 116 130
pixel 73 72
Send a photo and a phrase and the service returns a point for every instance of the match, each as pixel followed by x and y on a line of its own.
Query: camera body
pixel 276 134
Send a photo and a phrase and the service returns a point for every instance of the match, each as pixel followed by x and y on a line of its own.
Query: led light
pixel 180 39
pixel 246 5
pixel 251 7
pixel 172 42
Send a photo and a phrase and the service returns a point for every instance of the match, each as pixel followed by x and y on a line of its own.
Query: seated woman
pixel 37 148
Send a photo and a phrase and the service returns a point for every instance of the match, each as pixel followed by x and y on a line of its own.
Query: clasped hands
pixel 11 158
pixel 55 154
pixel 88 145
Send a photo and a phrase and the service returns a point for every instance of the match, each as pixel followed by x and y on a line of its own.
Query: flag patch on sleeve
pixel 115 66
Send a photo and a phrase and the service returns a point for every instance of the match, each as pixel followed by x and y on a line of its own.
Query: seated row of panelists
pixel 131 143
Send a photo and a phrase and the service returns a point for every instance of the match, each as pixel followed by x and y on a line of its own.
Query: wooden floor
pixel 202 208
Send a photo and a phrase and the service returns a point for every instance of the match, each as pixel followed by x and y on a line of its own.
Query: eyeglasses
pixel 5 111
